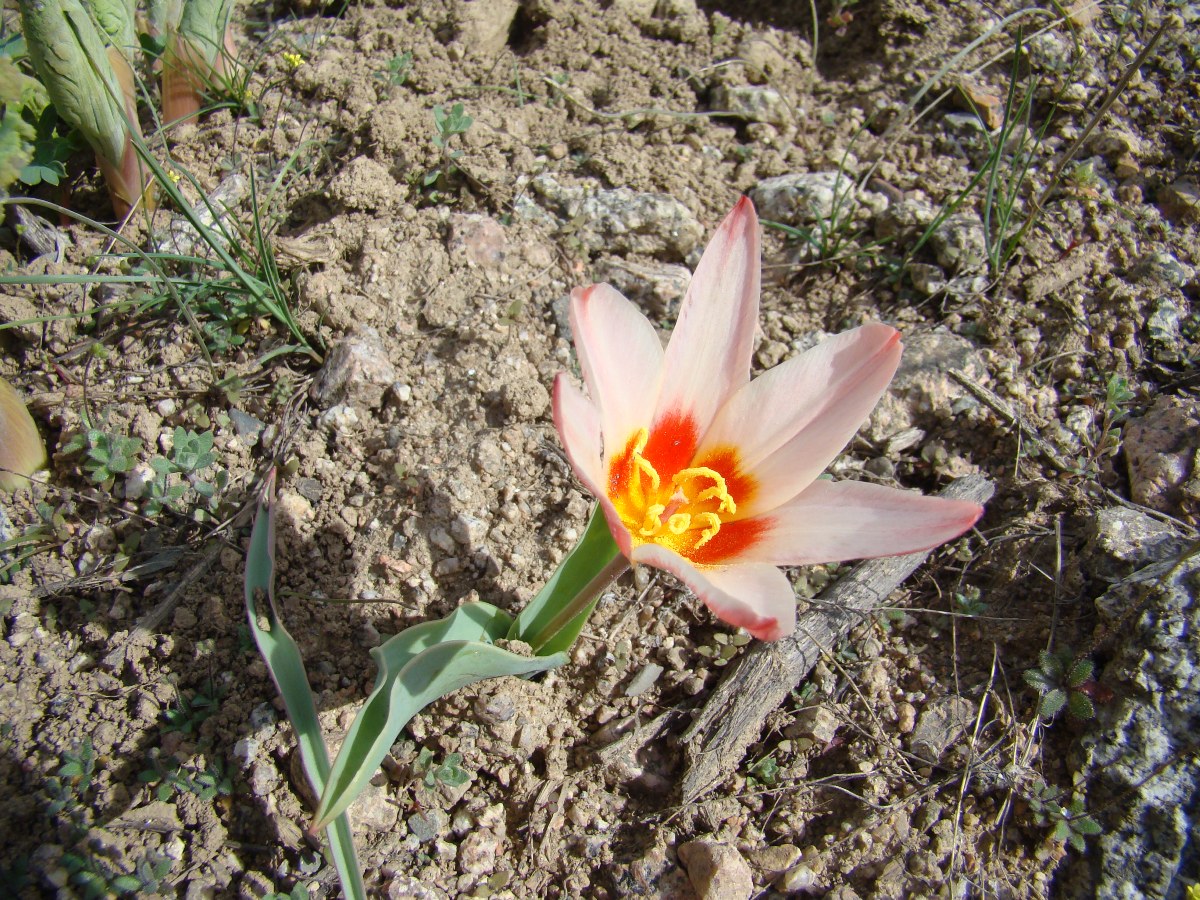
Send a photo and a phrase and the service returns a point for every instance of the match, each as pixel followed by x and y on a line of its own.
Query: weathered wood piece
pixel 760 681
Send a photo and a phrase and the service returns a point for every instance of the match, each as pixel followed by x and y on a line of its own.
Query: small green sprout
pixel 969 603
pixel 398 69
pixel 298 892
pixel 447 126
pixel 73 779
pixel 1071 823
pixel 190 712
pixel 1082 179
pixel 1062 680
pixel 172 777
pixel 763 772
pixel 105 455
pixel 724 647
pixel 449 773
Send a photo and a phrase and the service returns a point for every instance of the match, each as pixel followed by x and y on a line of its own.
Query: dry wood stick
pixel 733 717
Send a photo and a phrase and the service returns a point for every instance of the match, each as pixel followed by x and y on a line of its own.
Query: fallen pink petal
pixel 716 478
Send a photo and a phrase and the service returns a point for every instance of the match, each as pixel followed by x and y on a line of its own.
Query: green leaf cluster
pixel 30 148
pixel 1071 824
pixel 1060 678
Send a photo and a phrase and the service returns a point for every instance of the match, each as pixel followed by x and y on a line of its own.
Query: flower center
pixel 684 513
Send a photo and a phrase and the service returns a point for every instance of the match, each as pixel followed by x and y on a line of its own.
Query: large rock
pixel 621 219
pixel 716 870
pixel 357 372
pixel 923 388
pixel 1161 448
pixel 1135 761
pixel 484 25
pixel 806 197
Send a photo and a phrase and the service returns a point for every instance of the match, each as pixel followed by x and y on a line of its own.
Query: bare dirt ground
pixel 421 466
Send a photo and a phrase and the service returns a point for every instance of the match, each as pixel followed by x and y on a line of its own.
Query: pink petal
pixel 708 357
pixel 790 423
pixel 621 357
pixel 753 596
pixel 578 424
pixel 834 521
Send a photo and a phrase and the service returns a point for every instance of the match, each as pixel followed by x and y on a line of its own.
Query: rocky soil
pixel 981 177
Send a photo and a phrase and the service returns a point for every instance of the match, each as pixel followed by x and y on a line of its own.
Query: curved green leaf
pixel 68 51
pixel 287 668
pixel 416 667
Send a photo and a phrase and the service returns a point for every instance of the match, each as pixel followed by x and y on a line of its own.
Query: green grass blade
pixel 416 667
pixel 287 668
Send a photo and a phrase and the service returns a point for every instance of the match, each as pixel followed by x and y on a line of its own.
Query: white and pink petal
pixel 708 356
pixel 835 521
pixel 753 596
pixel 791 422
pixel 621 357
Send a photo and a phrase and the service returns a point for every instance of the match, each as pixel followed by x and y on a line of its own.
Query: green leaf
pixel 1080 672
pixel 1052 702
pixel 1086 826
pixel 287 668
pixel 126 884
pixel 68 51
pixel 1037 679
pixel 1051 664
pixel 587 564
pixel 416 667
pixel 1080 705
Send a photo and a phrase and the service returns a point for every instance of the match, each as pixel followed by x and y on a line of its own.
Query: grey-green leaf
pixel 416 667
pixel 287 668
pixel 68 52
pixel 594 553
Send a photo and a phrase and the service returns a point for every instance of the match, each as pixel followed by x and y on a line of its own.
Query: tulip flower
pixel 716 478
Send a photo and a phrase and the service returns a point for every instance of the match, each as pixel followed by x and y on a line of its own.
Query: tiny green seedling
pixel 105 455
pixel 190 712
pixel 969 601
pixel 65 789
pixel 449 772
pixel 171 777
pixel 764 772
pixel 447 126
pixel 1072 825
pixel 398 69
pixel 724 647
pixel 1062 680
pixel 53 145
pixel 298 892
pixel 1117 396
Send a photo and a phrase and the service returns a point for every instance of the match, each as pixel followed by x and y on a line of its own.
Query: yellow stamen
pixel 714 525
pixel 683 513
pixel 719 490
pixel 642 466
pixel 652 523
pixel 679 523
